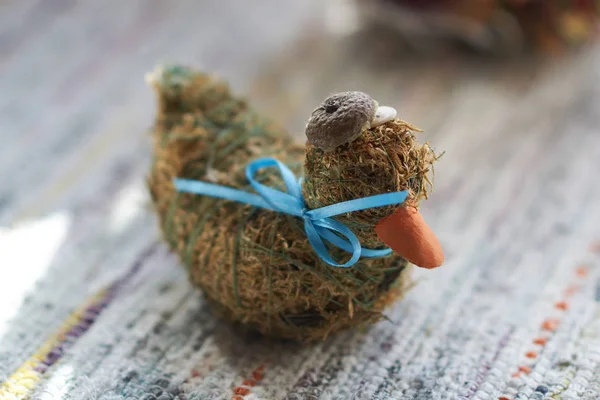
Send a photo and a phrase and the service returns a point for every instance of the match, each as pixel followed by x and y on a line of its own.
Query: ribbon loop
pixel 318 223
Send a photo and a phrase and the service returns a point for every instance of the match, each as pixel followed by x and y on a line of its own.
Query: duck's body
pixel 256 265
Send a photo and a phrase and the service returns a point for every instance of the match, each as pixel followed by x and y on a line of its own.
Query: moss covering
pixel 256 266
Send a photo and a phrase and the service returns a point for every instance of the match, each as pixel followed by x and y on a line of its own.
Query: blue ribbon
pixel 318 223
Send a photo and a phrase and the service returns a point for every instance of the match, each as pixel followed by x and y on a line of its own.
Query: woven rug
pixel 94 306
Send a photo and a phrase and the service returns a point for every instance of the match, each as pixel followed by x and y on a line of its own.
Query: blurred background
pixel 72 87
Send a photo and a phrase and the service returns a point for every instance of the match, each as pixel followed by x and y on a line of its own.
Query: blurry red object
pixel 506 26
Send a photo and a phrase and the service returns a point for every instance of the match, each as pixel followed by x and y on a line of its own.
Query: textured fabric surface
pixel 93 306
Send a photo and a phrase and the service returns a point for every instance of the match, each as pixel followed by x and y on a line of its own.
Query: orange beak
pixel 407 233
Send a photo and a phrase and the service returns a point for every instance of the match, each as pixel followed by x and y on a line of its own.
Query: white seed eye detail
pixel 383 114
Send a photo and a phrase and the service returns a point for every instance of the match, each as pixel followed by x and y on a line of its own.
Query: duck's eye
pixel 383 114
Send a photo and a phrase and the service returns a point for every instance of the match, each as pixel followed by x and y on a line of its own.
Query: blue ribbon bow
pixel 318 223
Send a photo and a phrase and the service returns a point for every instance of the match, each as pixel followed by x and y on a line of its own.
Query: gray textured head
pixel 340 119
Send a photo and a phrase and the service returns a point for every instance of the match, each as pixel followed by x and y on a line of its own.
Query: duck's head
pixel 357 148
pixel 343 117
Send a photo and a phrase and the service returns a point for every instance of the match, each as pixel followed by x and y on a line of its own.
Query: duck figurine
pixel 288 257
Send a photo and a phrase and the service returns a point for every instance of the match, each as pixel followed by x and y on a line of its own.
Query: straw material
pixel 256 266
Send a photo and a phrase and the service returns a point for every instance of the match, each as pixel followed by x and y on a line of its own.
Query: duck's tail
pixel 182 89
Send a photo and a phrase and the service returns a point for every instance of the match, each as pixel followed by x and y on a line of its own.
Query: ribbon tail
pixel 345 245
pixel 221 192
pixel 314 234
pixel 378 200
pixel 315 230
